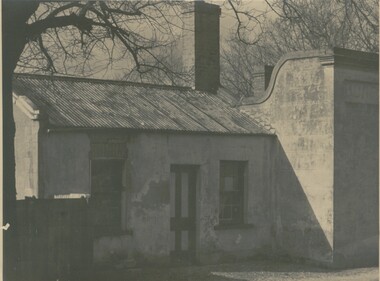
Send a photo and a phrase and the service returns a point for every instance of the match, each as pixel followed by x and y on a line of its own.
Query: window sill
pixel 233 226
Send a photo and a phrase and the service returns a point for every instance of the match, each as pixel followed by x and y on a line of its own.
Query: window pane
pixel 228 184
pixel 185 240
pixel 172 194
pixel 236 213
pixel 226 212
pixel 185 194
pixel 172 240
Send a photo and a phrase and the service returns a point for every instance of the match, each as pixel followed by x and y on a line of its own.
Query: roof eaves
pixel 170 131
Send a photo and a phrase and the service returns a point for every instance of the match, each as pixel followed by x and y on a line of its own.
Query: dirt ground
pixel 247 271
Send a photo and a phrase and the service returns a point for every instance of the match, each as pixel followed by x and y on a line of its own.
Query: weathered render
pixel 145 233
pixel 324 108
pixel 26 152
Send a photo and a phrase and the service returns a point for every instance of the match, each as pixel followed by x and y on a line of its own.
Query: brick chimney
pixel 200 46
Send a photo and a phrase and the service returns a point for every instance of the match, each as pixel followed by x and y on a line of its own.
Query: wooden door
pixel 183 212
pixel 105 200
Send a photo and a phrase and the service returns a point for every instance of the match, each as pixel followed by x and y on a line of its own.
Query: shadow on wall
pixel 297 232
pixel 356 186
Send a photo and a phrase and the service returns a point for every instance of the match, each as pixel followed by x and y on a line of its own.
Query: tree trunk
pixel 9 192
pixel 15 15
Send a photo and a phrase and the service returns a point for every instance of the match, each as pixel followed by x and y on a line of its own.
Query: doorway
pixel 183 183
pixel 105 200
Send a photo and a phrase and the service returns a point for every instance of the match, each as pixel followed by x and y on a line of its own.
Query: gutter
pixel 132 130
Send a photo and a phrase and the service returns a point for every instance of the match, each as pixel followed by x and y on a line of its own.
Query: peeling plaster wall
pixel 26 155
pixel 145 236
pixel 300 109
pixel 150 156
pixel 356 166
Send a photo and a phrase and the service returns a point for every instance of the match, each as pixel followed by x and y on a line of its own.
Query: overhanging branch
pixel 37 28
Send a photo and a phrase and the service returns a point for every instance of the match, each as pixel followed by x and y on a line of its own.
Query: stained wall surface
pixel 300 108
pixel 324 108
pixel 145 235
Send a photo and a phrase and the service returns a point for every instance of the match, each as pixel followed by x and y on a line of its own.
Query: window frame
pixel 239 169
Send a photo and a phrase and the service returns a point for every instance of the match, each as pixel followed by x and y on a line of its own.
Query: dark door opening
pixel 105 200
pixel 183 182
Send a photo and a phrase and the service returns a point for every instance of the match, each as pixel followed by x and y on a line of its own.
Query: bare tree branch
pixel 299 25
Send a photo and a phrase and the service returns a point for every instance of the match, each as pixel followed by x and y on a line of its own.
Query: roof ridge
pixel 98 80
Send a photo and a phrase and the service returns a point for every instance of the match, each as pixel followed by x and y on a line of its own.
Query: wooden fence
pixel 55 238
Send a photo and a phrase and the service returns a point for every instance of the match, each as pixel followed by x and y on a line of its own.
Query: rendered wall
pixel 26 155
pixel 324 108
pixel 151 159
pixel 356 165
pixel 146 197
pixel 300 108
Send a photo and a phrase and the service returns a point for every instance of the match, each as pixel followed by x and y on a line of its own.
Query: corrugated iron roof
pixel 92 103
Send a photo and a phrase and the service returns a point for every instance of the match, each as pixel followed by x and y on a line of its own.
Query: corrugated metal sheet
pixel 91 103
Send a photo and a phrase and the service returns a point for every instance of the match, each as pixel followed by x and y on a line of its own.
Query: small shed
pixel 169 171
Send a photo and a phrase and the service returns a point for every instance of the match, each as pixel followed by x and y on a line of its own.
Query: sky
pixel 227 25
pixel 228 19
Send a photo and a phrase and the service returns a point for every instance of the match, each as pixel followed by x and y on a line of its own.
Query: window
pixel 105 200
pixel 231 206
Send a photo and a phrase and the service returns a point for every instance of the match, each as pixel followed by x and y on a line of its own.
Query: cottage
pixel 190 173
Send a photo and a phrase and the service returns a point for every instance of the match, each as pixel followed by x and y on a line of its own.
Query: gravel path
pixel 247 271
pixel 348 275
